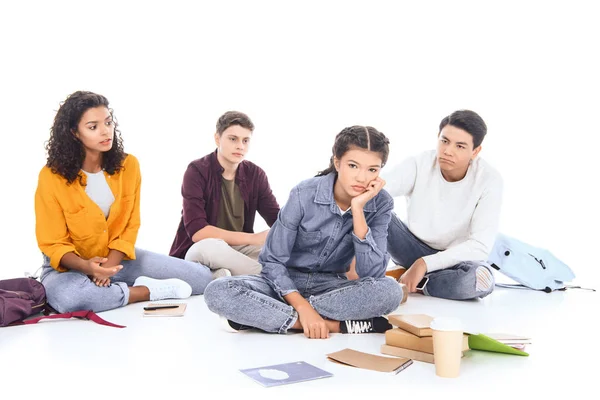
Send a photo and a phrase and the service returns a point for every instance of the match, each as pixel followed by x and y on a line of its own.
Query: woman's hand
pixel 101 274
pixel 373 188
pixel 313 324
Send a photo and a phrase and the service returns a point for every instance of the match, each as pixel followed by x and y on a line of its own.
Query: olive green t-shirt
pixel 231 207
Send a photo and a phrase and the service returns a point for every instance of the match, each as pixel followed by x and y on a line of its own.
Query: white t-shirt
pixel 98 190
pixel 342 212
pixel 459 218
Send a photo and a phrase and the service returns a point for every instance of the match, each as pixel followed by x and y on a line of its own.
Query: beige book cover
pixel 400 338
pixel 370 361
pixel 406 353
pixel 417 324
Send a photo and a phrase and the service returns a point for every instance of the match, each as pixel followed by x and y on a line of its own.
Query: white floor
pixel 192 356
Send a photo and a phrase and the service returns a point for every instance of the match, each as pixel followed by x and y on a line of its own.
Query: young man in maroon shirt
pixel 221 195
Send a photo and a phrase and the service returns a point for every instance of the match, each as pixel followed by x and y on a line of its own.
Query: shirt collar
pixel 216 167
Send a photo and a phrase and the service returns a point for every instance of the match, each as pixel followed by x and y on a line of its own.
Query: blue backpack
pixel 531 266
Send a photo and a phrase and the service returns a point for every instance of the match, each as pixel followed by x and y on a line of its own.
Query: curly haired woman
pixel 87 207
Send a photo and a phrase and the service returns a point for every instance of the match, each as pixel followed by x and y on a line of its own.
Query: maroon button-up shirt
pixel 201 191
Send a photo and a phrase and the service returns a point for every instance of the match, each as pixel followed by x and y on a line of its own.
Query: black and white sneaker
pixel 373 325
pixel 233 327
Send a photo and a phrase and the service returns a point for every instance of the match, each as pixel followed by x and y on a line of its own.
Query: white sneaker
pixel 165 288
pixel 220 273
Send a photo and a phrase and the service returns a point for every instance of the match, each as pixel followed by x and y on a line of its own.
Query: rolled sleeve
pixel 364 245
pixel 279 244
pixel 124 247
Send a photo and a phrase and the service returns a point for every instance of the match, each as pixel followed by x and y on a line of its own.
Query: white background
pixel 303 71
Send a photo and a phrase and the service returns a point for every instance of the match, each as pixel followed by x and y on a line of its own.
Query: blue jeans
pixel 73 290
pixel 458 282
pixel 253 302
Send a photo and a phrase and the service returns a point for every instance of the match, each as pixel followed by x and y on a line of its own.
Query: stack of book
pixel 412 338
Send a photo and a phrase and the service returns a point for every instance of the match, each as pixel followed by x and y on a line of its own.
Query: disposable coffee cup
pixel 447 346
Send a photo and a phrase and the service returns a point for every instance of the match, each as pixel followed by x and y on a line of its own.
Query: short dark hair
pixel 231 118
pixel 470 122
pixel 362 137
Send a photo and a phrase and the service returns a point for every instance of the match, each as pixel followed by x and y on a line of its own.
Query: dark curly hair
pixel 363 137
pixel 66 153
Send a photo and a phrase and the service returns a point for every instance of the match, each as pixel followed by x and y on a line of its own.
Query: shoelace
pixel 358 326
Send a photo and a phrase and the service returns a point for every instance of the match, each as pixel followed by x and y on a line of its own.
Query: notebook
pixel 401 338
pixel 509 339
pixel 173 310
pixel 283 374
pixel 407 353
pixel 370 361
pixel 486 343
pixel 417 324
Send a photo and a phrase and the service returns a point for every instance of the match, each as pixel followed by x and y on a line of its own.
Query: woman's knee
pixel 215 294
pixel 66 293
pixel 384 295
pixel 199 278
pixel 393 294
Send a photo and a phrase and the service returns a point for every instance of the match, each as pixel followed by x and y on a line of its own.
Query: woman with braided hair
pixel 87 208
pixel 328 220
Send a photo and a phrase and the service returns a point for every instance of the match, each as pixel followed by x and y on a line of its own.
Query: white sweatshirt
pixel 458 218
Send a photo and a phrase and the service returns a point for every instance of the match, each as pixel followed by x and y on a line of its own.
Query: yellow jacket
pixel 67 220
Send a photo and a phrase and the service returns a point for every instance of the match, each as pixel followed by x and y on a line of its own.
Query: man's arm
pixel 400 178
pixel 195 219
pixel 230 237
pixel 483 231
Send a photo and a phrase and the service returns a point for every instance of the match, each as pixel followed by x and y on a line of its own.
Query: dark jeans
pixel 458 282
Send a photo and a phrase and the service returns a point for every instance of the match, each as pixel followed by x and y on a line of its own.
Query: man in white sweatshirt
pixel 454 200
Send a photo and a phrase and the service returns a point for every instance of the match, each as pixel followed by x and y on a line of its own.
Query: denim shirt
pixel 311 235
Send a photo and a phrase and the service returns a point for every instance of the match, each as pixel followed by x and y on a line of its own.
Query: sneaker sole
pixel 226 327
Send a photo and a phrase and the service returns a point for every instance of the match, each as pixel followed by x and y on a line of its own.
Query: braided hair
pixel 363 137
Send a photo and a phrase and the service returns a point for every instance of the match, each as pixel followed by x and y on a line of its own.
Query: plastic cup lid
pixel 446 324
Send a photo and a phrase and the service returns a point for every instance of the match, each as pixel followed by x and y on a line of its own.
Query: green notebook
pixel 486 343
